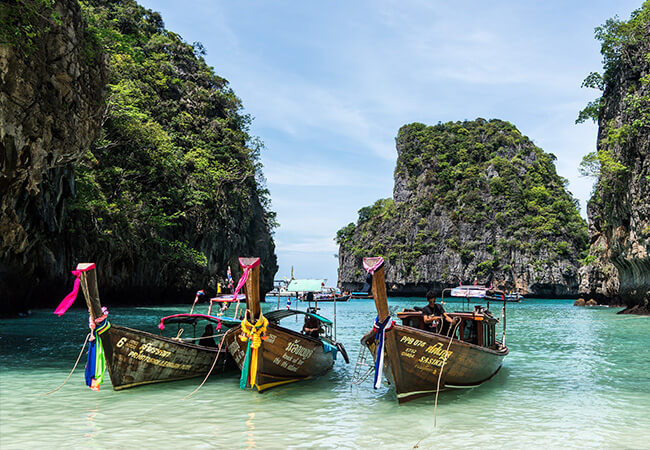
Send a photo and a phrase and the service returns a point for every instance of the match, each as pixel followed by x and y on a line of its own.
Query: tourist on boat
pixel 435 317
pixel 207 339
pixel 311 326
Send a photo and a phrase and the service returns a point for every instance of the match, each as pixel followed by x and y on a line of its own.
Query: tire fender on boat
pixel 343 352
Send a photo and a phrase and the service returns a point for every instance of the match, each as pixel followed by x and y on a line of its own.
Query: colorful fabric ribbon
pixel 380 329
pixel 244 277
pixel 254 334
pixel 378 264
pixel 96 362
pixel 72 296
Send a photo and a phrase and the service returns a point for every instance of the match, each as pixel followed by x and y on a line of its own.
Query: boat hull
pixel 342 298
pixel 285 357
pixel 414 358
pixel 136 357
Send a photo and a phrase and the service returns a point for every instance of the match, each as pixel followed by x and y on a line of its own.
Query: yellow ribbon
pixel 256 333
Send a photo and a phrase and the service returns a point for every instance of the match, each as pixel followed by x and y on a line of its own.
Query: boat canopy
pixel 305 285
pixel 469 291
pixel 279 314
pixel 192 319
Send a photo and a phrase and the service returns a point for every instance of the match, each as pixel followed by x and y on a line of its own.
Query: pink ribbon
pixel 72 296
pixel 371 270
pixel 244 277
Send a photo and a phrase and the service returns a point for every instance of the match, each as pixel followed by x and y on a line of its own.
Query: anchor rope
pixel 214 363
pixel 435 405
pixel 83 346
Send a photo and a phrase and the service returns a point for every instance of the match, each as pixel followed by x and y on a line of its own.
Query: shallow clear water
pixel 574 378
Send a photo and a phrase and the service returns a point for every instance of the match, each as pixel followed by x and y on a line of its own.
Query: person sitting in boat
pixel 207 339
pixel 435 317
pixel 311 327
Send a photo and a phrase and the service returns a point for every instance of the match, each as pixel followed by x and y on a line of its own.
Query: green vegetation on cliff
pixel 477 189
pixel 175 174
pixel 617 270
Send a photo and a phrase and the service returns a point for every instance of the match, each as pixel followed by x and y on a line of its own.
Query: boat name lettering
pixel 297 349
pixel 438 351
pixel 158 362
pixel 146 347
pixel 270 339
pixel 438 362
pixel 412 341
pixel 408 354
pixel 121 342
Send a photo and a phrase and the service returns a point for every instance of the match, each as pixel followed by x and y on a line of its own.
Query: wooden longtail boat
pixel 271 355
pixel 482 292
pixel 419 362
pixel 135 357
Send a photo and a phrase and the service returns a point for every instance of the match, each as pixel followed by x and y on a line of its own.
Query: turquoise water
pixel 575 378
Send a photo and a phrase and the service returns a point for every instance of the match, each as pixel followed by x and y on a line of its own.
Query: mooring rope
pixel 75 366
pixel 209 372
pixel 435 405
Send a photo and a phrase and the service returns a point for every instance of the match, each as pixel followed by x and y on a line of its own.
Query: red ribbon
pixel 72 296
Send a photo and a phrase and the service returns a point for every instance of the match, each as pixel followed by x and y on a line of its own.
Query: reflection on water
pixel 575 377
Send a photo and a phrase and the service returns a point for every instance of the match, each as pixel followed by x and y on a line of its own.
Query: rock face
pixel 121 146
pixel 618 272
pixel 472 200
pixel 51 103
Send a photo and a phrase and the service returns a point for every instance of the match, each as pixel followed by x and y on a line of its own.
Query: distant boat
pixel 420 362
pixel 269 354
pixel 329 294
pixel 483 292
pixel 358 295
pixel 134 357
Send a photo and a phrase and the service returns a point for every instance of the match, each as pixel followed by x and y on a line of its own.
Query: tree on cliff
pixel 175 174
pixel 617 270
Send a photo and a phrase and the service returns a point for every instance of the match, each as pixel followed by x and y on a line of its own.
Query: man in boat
pixel 435 317
pixel 207 339
pixel 311 327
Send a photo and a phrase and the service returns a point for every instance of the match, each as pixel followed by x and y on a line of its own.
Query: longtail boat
pixel 419 362
pixel 269 354
pixel 482 292
pixel 134 357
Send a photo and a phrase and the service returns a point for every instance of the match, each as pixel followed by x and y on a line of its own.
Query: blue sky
pixel 330 83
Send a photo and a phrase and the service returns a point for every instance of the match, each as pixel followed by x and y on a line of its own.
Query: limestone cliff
pixel 121 146
pixel 618 269
pixel 51 103
pixel 472 199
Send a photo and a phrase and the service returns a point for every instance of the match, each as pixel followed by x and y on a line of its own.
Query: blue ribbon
pixel 380 331
pixel 327 347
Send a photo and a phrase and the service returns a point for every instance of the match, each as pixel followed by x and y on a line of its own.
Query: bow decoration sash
pixel 244 277
pixel 380 329
pixel 254 334
pixel 72 296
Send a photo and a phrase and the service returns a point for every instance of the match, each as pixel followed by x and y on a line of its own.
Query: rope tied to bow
pixel 254 334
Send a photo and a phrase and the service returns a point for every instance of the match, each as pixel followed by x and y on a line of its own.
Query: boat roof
pixel 312 285
pixel 280 314
pixel 192 319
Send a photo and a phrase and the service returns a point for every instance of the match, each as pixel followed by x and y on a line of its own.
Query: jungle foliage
pixel 492 187
pixel 175 170
pixel 621 41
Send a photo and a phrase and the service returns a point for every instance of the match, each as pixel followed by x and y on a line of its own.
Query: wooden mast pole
pixel 381 303
pixel 378 288
pixel 252 288
pixel 88 280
